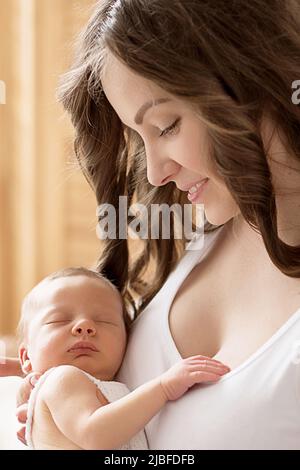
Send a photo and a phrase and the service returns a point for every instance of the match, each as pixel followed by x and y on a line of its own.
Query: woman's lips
pixel 196 195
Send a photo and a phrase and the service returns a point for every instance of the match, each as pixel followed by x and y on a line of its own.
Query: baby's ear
pixel 24 359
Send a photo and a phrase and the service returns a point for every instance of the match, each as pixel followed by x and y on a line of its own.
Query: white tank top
pixel 254 406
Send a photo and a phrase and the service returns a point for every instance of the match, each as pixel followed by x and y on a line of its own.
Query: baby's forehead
pixel 68 289
pixel 81 281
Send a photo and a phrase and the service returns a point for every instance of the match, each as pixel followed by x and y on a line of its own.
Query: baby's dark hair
pixel 31 298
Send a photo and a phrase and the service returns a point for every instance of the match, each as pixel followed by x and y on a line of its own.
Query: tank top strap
pixel 31 405
pixel 195 251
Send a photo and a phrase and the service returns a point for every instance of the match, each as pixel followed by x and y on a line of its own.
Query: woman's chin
pixel 217 219
pixel 221 217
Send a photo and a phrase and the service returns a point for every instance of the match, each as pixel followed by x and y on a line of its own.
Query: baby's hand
pixel 23 395
pixel 187 372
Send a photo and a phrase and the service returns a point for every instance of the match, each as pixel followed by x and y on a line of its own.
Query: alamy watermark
pixel 2 92
pixel 296 93
pixel 146 222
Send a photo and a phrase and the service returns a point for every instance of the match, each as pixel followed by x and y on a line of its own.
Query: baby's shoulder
pixel 66 372
pixel 63 380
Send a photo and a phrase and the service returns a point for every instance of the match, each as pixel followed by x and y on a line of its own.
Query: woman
pixel 219 78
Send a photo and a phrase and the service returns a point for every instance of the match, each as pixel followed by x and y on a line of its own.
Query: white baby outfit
pixel 111 390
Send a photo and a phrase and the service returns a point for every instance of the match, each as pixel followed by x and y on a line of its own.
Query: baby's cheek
pixel 47 351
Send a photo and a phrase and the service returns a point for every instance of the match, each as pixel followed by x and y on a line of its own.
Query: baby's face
pixel 78 321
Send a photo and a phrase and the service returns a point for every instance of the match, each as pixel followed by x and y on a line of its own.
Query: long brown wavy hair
pixel 232 60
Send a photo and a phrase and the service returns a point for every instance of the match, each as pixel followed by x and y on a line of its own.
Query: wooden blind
pixel 48 211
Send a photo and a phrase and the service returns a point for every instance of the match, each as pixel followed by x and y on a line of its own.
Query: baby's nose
pixel 84 327
pixel 81 330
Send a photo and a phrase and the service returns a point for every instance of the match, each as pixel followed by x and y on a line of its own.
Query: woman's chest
pixel 226 311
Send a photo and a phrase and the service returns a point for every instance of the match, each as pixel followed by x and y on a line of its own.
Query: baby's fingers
pixel 21 435
pixel 201 376
pixel 26 387
pixel 21 413
pixel 210 367
pixel 205 360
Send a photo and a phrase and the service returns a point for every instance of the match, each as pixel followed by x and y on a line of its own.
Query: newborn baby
pixel 73 331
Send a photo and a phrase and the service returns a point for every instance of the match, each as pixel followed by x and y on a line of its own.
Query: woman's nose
pixel 84 327
pixel 158 181
pixel 160 171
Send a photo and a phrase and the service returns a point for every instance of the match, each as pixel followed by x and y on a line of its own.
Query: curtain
pixel 48 211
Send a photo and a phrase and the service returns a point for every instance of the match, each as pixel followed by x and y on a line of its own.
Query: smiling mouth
pixel 198 185
pixel 197 190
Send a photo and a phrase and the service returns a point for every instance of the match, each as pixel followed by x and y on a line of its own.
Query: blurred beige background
pixel 48 211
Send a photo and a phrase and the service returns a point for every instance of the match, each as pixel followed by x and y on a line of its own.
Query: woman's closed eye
pixel 171 128
pixel 166 132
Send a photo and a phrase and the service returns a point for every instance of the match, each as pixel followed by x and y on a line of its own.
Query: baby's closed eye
pixel 57 321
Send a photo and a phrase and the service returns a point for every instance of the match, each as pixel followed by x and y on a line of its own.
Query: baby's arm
pixel 73 404
pixel 76 410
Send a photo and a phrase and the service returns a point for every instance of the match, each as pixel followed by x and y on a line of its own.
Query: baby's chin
pixel 91 365
pixel 84 362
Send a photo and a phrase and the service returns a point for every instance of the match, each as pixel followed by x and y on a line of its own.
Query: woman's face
pixel 175 138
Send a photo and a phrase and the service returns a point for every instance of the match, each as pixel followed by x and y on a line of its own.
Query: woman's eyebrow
pixel 144 108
